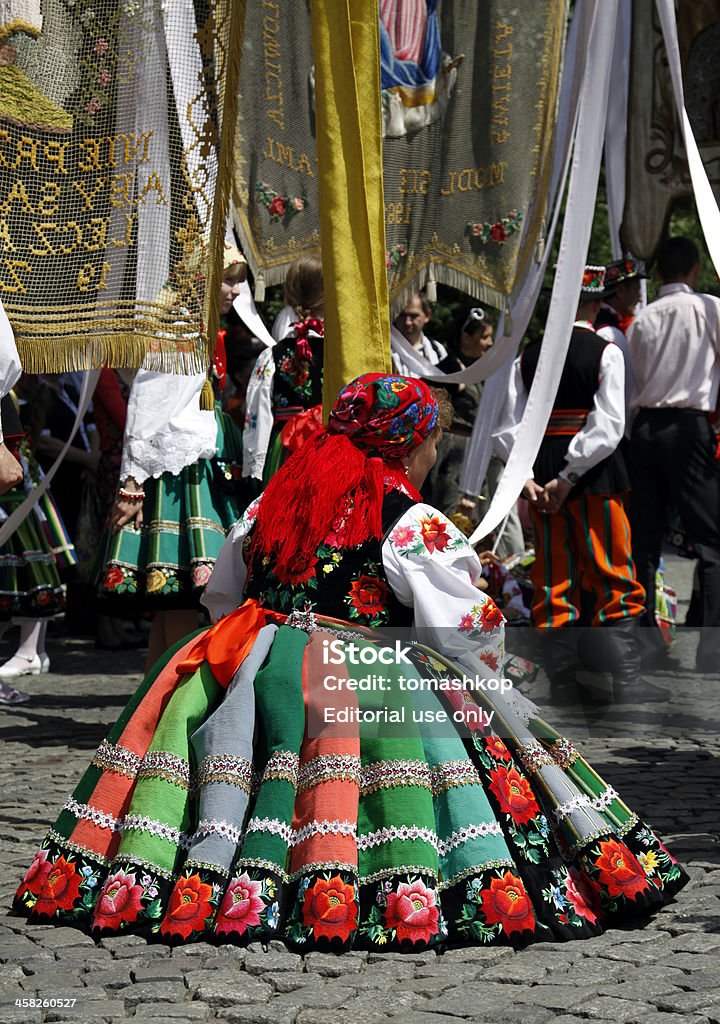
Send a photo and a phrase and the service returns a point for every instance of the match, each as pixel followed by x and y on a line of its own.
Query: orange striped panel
pixel 335 799
pixel 113 791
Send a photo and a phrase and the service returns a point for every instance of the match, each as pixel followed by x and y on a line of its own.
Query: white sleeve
pixel 432 569
pixel 616 336
pixel 506 429
pixel 10 367
pixel 605 425
pixel 258 415
pixel 224 590
pixel 166 429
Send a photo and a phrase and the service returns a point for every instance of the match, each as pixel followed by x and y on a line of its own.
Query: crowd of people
pixel 222 804
pixel 150 484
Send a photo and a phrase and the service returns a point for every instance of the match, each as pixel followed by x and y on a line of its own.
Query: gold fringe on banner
pixel 63 355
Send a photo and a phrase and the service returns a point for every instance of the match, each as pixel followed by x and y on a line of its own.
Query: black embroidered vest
pixel 349 583
pixel 298 383
pixel 574 400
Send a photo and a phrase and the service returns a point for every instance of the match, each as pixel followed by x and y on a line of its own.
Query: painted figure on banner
pixel 417 77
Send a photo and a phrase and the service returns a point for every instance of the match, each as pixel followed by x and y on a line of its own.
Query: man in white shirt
pixel 411 323
pixel 617 312
pixel 675 351
pixel 580 525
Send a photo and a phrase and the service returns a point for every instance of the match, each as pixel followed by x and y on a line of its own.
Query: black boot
pixel 559 657
pixel 622 648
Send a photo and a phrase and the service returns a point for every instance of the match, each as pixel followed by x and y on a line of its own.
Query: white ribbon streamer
pixel 479 450
pixel 616 127
pixel 707 206
pixel 13 521
pixel 579 211
pixel 244 306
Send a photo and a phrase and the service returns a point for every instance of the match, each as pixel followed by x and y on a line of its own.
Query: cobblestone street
pixel 664 762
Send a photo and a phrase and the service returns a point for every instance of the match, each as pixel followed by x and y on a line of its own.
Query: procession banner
pixel 469 97
pixel 349 122
pixel 657 169
pixel 110 191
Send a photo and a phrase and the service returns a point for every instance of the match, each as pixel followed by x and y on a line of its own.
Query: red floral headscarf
pixel 347 468
pixel 384 416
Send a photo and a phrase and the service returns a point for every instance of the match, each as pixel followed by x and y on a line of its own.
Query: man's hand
pixel 11 473
pixel 533 492
pixel 556 491
pixel 466 505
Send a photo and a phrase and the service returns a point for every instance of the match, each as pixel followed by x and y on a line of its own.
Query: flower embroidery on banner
pixel 120 900
pixel 280 207
pixel 329 908
pixel 619 870
pixel 514 794
pixel 241 906
pixel 412 911
pixel 188 908
pixel 60 888
pixel 507 903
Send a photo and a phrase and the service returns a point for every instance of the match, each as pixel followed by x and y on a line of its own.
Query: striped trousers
pixel 585 547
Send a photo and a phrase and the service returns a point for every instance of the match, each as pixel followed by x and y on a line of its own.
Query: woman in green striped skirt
pixel 31 590
pixel 303 770
pixel 178 499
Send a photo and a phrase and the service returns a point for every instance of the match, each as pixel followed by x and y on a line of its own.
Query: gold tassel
pixel 207 397
pixel 431 285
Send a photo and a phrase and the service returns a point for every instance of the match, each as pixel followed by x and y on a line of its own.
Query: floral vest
pixel 349 583
pixel 297 383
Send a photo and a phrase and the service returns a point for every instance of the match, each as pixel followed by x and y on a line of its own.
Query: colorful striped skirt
pixel 30 585
pixel 186 517
pixel 236 813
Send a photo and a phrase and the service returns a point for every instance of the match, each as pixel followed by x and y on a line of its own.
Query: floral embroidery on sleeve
pixel 426 535
pixel 481 619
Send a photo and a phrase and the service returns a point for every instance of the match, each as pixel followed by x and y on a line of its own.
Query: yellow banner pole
pixel 346 48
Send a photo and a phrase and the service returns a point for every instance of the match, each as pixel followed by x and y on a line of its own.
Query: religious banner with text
pixel 657 170
pixel 110 129
pixel 469 95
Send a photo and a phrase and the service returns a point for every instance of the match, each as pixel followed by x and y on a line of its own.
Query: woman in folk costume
pixel 284 395
pixel 226 803
pixel 175 505
pixel 31 590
